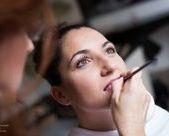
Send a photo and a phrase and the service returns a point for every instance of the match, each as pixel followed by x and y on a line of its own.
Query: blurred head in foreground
pixel 20 22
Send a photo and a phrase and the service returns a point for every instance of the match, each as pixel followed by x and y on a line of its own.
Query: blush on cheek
pixel 84 83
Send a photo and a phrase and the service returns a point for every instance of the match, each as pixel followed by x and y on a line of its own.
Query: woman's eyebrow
pixel 77 53
pixel 105 44
pixel 85 51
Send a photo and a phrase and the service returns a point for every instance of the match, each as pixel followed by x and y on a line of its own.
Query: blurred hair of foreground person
pixel 20 22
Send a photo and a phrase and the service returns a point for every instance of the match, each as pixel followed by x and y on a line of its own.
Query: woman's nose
pixel 107 68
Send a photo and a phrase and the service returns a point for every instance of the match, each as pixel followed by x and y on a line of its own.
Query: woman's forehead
pixel 82 37
pixel 83 31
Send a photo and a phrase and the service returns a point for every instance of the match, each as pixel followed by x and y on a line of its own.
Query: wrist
pixel 137 130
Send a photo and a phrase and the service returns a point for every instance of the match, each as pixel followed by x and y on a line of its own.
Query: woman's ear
pixel 60 96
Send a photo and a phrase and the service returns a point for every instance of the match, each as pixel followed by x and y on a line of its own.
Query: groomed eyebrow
pixel 86 51
pixel 106 43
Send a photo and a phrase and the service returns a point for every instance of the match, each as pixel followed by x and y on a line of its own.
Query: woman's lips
pixel 108 87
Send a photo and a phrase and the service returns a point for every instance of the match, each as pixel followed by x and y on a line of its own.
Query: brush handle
pixel 139 69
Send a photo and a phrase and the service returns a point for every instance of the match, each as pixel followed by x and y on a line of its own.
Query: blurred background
pixel 140 31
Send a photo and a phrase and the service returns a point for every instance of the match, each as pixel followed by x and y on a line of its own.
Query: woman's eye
pixel 110 50
pixel 82 62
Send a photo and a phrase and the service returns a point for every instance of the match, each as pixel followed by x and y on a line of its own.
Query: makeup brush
pixel 140 68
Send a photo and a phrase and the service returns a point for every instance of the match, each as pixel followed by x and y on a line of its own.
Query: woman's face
pixel 89 63
pixel 14 50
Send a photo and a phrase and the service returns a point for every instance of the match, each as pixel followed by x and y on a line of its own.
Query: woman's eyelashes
pixel 110 50
pixel 82 61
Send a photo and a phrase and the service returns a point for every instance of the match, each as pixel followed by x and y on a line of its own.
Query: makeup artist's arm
pixel 129 106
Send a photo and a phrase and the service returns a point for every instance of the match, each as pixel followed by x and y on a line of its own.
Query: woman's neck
pixel 97 121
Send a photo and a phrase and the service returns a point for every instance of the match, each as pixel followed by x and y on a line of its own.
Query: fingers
pixel 134 81
pixel 135 87
pixel 117 87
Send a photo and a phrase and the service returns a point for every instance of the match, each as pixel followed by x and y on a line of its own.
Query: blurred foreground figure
pixel 20 22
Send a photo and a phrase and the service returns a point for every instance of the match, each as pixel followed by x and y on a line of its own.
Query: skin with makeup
pixel 87 73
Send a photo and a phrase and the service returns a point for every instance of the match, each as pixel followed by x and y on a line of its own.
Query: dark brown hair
pixel 52 74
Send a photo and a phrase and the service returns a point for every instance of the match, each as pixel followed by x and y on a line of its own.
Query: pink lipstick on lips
pixel 109 86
